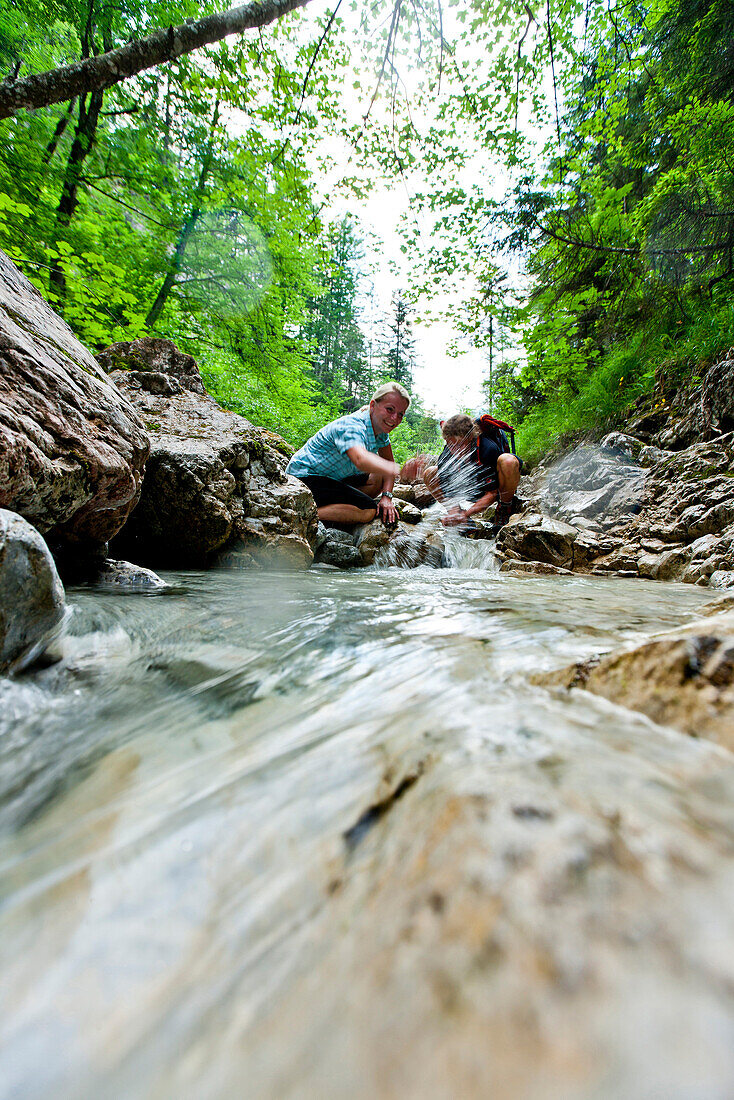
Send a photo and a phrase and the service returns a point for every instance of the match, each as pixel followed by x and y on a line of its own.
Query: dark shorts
pixel 327 490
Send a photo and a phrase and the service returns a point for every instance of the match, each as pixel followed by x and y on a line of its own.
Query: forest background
pixel 569 170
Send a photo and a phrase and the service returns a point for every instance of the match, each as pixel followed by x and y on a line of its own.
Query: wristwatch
pixel 388 495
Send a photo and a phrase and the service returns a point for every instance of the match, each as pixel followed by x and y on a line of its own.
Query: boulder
pixel 214 486
pixel 155 363
pixel 623 444
pixel 536 537
pixel 722 578
pixel 129 577
pixel 414 492
pixel 537 568
pixel 683 678
pixel 338 549
pixel 369 538
pixel 32 606
pixel 72 448
pixel 408 513
pixel 593 482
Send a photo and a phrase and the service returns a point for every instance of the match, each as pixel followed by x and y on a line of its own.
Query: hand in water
pixel 454 517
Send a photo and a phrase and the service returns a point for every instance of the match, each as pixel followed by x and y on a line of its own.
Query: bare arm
pixel 386 469
pixel 369 463
pixel 386 453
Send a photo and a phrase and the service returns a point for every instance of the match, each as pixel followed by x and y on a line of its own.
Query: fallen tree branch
pixel 105 70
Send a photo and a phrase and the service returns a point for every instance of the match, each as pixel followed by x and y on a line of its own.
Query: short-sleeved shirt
pixel 475 473
pixel 325 454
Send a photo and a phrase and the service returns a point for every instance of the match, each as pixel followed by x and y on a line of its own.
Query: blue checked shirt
pixel 325 454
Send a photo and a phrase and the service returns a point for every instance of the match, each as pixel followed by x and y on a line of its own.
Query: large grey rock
pixel 213 484
pixel 593 482
pixel 717 396
pixel 155 363
pixel 72 448
pixel 32 604
pixel 622 443
pixel 338 549
pixel 535 537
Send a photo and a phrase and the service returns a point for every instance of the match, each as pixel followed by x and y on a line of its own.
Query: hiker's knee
pixel 508 467
pixel 430 476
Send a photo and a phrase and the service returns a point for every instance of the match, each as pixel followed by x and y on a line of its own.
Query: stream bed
pixel 313 835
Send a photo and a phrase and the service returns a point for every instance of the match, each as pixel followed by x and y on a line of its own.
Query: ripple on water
pixel 182 909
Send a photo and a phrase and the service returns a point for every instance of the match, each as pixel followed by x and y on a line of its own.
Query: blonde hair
pixel 390 387
pixel 459 426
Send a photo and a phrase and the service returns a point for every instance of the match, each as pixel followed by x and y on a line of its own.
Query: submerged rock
pixel 125 575
pixel 32 605
pixel 72 448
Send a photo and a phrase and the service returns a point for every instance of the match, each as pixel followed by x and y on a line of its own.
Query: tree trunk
pixel 187 228
pixel 58 133
pixel 94 74
pixel 84 135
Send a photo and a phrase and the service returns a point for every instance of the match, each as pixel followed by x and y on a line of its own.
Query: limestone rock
pixel 212 485
pixel 717 396
pixel 414 492
pixel 539 568
pixel 592 482
pixel 622 443
pixel 408 512
pixel 72 448
pixel 32 606
pixel 684 678
pixel 408 548
pixel 369 538
pixel 125 575
pixel 722 578
pixel 536 537
pixel 155 363
pixel 338 549
pixel 651 456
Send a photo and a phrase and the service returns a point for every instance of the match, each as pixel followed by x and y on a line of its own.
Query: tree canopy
pixel 568 169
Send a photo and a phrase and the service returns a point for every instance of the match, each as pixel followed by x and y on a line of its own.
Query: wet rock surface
pixel 215 489
pixel 72 448
pixel 350 851
pixel 32 601
pixel 406 545
pixel 683 679
pixel 633 509
pixel 126 576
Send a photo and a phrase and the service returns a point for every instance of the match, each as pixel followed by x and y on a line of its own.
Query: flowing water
pixel 314 835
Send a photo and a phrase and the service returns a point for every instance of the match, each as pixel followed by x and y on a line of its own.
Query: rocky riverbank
pixel 127 457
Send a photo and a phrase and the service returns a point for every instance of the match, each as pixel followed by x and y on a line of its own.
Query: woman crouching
pixel 349 465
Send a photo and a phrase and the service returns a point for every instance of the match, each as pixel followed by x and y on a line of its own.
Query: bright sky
pixel 445 382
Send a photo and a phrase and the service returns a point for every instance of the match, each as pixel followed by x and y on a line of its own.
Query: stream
pixel 313 835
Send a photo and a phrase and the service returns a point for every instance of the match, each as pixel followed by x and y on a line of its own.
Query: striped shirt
pixel 325 454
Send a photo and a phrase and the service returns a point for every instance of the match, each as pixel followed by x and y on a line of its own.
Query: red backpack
pixel 492 428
